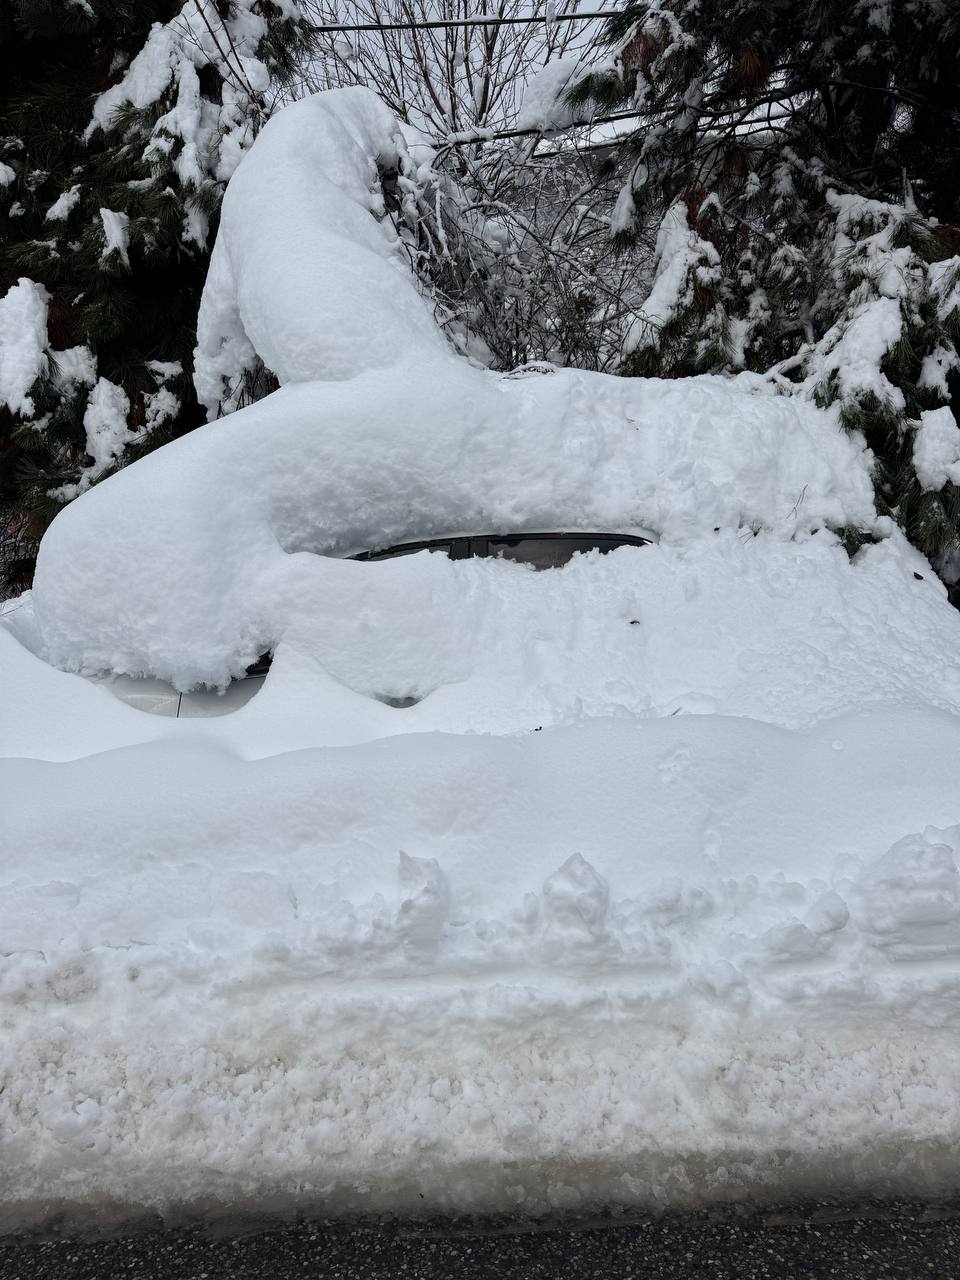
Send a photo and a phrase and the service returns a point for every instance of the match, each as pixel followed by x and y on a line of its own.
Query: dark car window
pixel 546 553
pixel 408 549
pixel 540 550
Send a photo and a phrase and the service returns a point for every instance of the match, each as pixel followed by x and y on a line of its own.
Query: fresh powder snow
pixel 649 896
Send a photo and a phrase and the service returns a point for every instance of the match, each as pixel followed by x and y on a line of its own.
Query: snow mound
pixel 305 272
pixel 385 434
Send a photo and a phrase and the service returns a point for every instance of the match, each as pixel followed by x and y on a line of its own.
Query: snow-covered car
pixel 648 894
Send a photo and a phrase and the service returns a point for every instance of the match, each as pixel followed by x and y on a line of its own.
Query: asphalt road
pixel 813 1242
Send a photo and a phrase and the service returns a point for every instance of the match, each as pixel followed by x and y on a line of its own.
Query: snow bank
pixel 656 961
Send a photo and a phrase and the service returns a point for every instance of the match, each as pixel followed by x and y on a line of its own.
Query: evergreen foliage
pixel 803 158
pixel 120 123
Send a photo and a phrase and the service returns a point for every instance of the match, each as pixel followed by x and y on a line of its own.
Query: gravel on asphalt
pixel 873 1241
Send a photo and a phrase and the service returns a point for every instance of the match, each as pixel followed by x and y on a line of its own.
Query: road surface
pixel 865 1242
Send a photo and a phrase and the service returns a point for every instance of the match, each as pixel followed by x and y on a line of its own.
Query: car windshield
pixel 539 550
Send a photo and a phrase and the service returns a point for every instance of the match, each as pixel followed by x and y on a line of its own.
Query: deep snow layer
pixel 613 946
pixel 191 563
pixel 653 896
pixel 786 632
pixel 658 961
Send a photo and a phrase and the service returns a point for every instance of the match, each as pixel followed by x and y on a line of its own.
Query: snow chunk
pixel 105 422
pixel 74 366
pixel 23 343
pixel 911 900
pixel 159 406
pixel 116 234
pixel 543 105
pixel 936 449
pixel 575 901
pixel 64 205
pixel 936 368
pixel 682 259
pixel 423 913
pixel 856 356
pixel 164 370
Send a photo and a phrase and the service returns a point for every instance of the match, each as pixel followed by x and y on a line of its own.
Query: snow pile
pixel 651 895
pixel 655 961
pixel 394 438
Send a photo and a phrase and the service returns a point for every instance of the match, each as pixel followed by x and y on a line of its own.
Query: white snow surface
pixel 543 106
pixel 23 342
pixel 302 274
pixel 209 138
pixel 116 234
pixel 651 897
pixel 64 204
pixel 682 258
pixel 225 533
pixel 936 448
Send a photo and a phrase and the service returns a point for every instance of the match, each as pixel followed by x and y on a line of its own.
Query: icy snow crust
pixel 653 895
